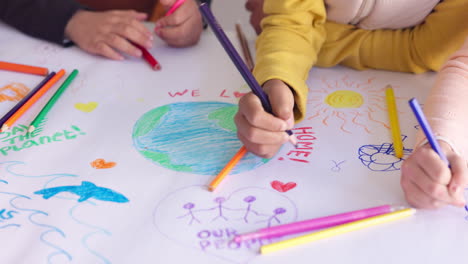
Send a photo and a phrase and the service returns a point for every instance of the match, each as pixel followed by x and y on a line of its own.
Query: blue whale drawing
pixel 85 191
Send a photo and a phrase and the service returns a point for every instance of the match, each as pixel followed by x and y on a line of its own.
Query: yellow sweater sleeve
pixel 292 35
pixel 422 48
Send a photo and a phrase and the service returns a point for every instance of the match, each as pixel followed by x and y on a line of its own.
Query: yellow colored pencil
pixel 224 172
pixel 337 230
pixel 394 123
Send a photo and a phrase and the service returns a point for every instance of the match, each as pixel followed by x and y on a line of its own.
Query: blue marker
pixel 427 129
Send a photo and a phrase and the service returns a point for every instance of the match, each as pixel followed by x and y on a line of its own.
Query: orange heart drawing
pixel 102 164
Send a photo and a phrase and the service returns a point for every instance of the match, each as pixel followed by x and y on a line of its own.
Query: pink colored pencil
pixel 313 224
pixel 174 7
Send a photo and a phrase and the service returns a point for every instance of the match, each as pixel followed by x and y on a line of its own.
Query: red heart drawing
pixel 283 187
pixel 238 94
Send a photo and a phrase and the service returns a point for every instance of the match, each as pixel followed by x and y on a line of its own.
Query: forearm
pixel 446 106
pixel 45 19
pixel 287 48
pixel 422 48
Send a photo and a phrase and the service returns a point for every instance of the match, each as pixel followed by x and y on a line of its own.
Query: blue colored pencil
pixel 427 129
pixel 25 99
pixel 238 62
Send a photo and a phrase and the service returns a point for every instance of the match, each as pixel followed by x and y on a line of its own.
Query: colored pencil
pixel 394 123
pixel 239 63
pixel 9 123
pixel 224 172
pixel 42 114
pixel 314 224
pixel 148 57
pixel 25 99
pixel 242 151
pixel 427 129
pixel 245 47
pixel 23 68
pixel 337 230
pixel 174 7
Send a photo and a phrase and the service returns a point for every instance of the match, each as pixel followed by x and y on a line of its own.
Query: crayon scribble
pixel 96 231
pixel 282 187
pixel 31 216
pixel 85 191
pixel 174 136
pixel 336 167
pixel 86 107
pixel 19 140
pixel 102 164
pixel 351 105
pixel 13 92
pixel 195 218
pixel 381 157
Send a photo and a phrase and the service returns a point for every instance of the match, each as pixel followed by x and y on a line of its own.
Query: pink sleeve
pixel 446 107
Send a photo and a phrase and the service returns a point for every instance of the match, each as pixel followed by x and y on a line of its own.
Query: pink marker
pixel 174 7
pixel 313 224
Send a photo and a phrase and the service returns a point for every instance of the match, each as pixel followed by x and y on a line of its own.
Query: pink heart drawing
pixel 283 187
pixel 207 222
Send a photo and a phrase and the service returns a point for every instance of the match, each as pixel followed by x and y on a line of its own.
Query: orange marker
pixel 8 66
pixel 224 172
pixel 9 123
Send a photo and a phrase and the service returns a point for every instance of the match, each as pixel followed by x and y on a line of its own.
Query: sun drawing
pixel 348 103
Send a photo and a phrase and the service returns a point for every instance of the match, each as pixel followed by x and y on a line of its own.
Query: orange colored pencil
pixel 224 172
pixel 9 123
pixel 8 66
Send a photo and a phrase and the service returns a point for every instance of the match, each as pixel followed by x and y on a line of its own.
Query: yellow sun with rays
pixel 352 104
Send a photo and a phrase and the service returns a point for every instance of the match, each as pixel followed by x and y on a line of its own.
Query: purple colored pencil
pixel 418 112
pixel 25 99
pixel 237 60
pixel 235 57
pixel 314 224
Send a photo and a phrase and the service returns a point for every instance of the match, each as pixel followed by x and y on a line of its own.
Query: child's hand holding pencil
pixel 261 132
pixel 182 25
pixel 434 175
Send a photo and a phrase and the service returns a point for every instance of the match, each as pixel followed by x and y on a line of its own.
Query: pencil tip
pixel 31 129
pixel 157 67
pixel 293 140
pixel 4 128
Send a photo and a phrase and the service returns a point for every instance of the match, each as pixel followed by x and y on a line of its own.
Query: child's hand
pixel 429 183
pixel 260 132
pixel 181 28
pixel 256 13
pixel 108 33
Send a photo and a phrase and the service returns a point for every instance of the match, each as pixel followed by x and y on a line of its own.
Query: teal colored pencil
pixel 40 117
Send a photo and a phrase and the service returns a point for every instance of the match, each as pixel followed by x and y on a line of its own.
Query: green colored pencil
pixel 40 117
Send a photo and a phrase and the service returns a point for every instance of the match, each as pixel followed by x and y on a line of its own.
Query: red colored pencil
pixel 149 58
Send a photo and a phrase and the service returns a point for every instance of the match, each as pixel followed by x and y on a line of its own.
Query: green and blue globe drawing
pixel 193 137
